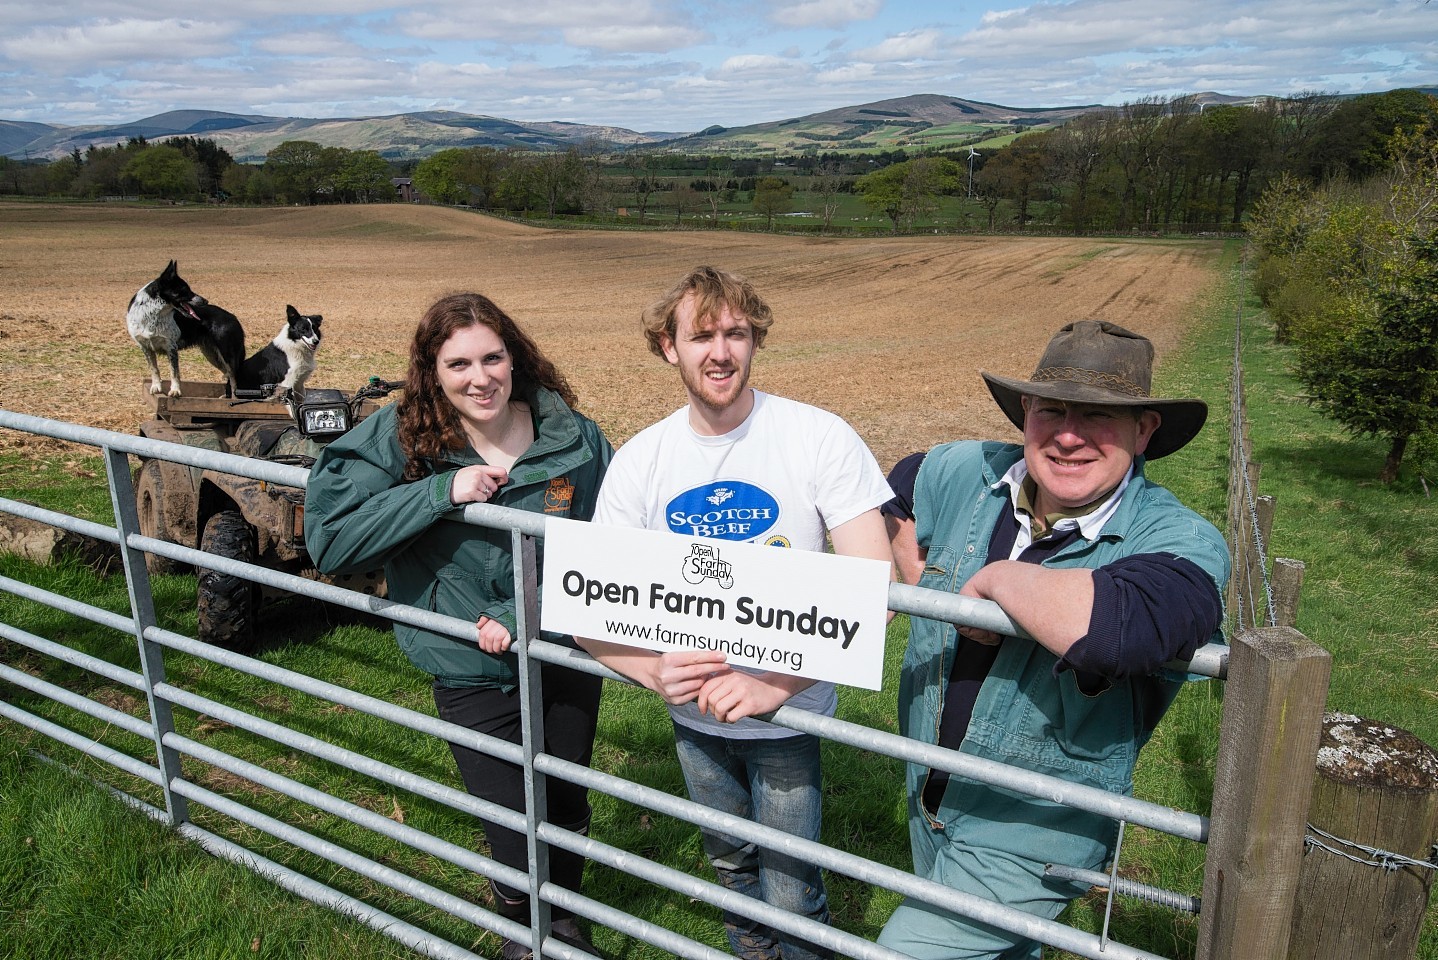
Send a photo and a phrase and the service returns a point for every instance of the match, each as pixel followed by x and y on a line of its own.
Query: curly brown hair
pixel 713 290
pixel 429 425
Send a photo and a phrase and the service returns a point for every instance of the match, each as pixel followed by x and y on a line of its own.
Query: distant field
pixel 889 333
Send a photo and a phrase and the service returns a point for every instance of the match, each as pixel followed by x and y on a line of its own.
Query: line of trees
pixel 1161 164
pixel 196 169
pixel 1349 273
pixel 568 182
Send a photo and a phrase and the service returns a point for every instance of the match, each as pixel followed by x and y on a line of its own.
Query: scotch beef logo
pixel 559 495
pixel 723 510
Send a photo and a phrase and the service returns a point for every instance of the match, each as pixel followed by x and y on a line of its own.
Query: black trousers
pixel 571 710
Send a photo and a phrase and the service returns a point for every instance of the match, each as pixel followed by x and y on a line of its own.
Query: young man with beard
pixel 784 474
pixel 1109 574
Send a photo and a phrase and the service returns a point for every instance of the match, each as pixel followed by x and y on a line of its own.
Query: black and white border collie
pixel 165 316
pixel 287 361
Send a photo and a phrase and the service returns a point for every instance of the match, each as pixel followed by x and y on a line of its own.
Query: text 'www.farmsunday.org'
pixel 774 657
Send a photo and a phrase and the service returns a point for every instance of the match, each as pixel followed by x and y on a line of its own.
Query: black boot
pixel 567 870
pixel 565 928
pixel 518 911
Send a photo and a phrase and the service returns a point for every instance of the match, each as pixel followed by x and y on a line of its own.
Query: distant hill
pixel 410 135
pixel 915 122
pixel 923 120
pixel 51 141
pixel 17 135
pixel 249 138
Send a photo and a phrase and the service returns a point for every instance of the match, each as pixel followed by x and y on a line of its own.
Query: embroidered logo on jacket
pixel 559 495
pixel 723 510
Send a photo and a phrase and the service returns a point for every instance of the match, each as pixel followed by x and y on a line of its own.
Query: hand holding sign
pixel 681 676
pixel 733 695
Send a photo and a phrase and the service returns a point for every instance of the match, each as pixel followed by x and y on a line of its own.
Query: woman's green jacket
pixel 360 514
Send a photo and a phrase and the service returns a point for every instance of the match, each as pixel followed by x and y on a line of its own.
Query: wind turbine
pixel 972 154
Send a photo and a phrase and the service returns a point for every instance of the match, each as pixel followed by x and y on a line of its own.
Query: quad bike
pixel 236 517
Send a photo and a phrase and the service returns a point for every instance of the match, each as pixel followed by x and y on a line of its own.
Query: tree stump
pixel 1376 785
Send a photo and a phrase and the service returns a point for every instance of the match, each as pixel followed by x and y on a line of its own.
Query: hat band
pixel 1091 378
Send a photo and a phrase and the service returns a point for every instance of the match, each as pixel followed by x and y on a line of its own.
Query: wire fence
pixel 1260 593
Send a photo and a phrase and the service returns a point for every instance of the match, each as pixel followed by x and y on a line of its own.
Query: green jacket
pixel 360 514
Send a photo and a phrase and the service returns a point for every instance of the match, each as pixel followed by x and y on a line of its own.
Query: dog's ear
pixel 315 319
pixel 170 270
pixel 291 312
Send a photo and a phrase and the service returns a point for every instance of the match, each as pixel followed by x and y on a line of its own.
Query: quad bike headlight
pixel 323 419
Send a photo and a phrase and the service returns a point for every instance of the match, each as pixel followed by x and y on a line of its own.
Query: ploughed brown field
pixel 889 333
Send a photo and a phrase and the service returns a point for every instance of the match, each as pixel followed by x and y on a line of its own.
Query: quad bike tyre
pixel 150 505
pixel 228 605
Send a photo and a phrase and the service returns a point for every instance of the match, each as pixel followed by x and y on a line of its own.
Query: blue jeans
pixel 776 783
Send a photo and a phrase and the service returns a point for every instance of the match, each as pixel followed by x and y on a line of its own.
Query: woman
pixel 486 418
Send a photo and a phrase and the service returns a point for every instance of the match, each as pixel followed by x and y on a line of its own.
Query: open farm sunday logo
pixel 703 563
pixel 723 510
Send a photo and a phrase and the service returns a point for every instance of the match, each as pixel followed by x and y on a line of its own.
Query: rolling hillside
pixel 924 120
pixel 914 123
pixel 249 138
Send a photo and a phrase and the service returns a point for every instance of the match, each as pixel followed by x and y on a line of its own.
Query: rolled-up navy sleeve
pixel 1148 609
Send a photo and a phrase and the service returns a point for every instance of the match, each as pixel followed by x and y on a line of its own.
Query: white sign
pixel 815 615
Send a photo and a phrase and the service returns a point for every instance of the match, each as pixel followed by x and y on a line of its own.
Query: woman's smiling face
pixel 477 374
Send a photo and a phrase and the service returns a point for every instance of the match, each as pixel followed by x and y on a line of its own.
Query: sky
pixel 682 65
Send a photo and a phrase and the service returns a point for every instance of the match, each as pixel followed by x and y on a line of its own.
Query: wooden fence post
pixel 1263 506
pixel 1287 583
pixel 1272 710
pixel 1377 786
pixel 1261 526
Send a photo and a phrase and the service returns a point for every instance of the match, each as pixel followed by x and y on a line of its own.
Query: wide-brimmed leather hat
pixel 1094 361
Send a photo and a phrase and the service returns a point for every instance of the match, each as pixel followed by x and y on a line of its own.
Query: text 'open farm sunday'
pixel 747 611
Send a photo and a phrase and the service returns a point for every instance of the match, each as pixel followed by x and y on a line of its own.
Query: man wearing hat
pixel 1110 575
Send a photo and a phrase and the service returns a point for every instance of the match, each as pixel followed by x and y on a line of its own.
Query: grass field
pixel 906 321
pixel 953 213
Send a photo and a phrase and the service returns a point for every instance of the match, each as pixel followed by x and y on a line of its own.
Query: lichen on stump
pixel 1375 785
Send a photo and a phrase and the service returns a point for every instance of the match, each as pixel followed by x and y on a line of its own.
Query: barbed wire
pixel 1384 859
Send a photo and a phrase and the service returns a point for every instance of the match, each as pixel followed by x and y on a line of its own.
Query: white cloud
pixel 309 43
pixel 682 64
pixel 614 26
pixel 751 66
pixel 914 45
pixel 637 38
pixel 107 42
pixel 853 73
pixel 1095 28
pixel 824 13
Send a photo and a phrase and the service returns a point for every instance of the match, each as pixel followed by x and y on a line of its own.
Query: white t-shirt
pixel 784 477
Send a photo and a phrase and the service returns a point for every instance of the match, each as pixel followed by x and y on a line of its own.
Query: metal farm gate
pixel 163 768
